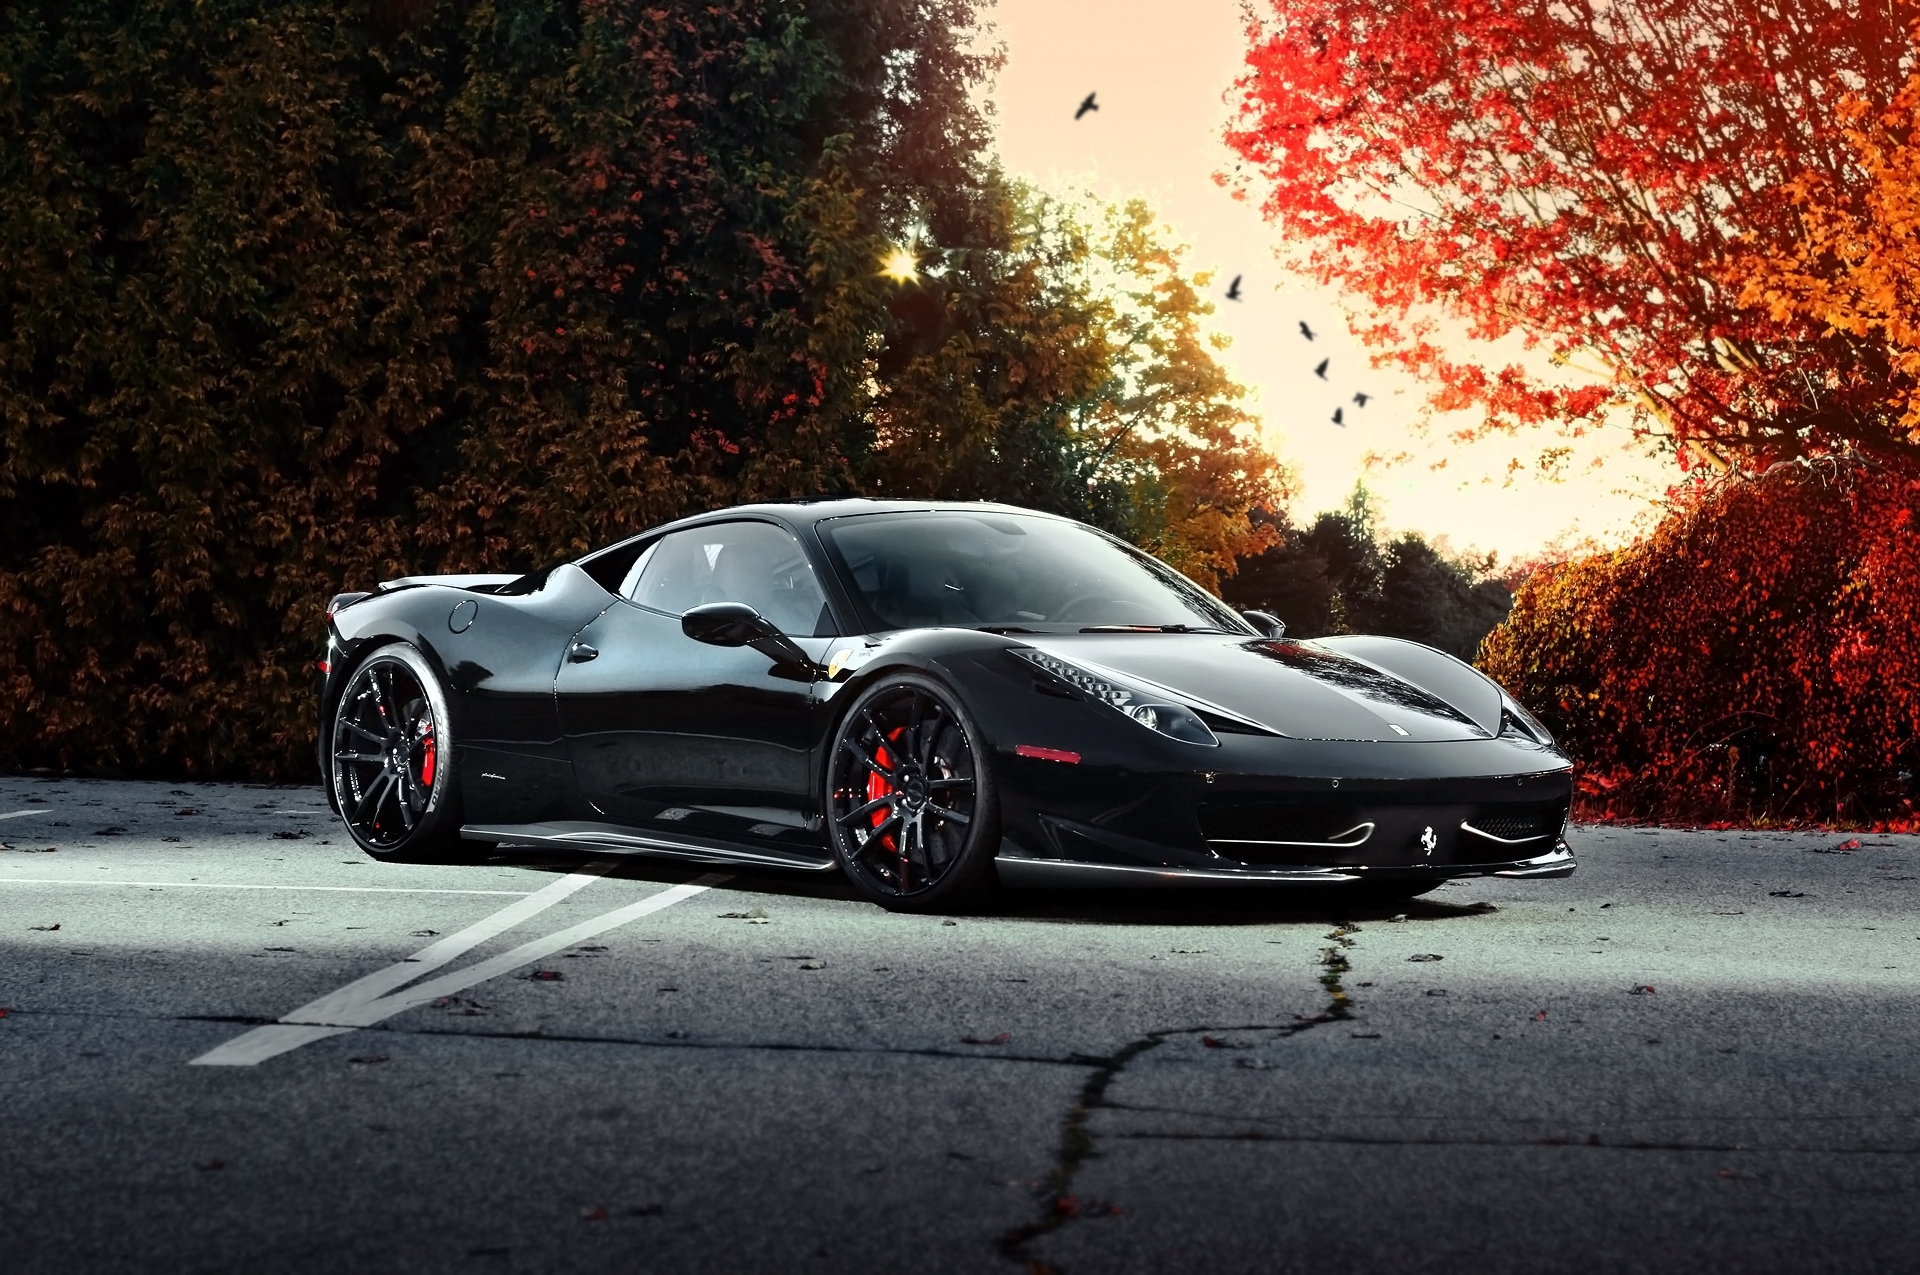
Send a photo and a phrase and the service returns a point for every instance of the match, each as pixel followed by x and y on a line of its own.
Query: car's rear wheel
pixel 910 799
pixel 392 759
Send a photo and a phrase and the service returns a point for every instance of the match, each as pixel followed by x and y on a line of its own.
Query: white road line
pixel 262 1043
pixel 433 989
pixel 221 885
pixel 15 814
pixel 331 1007
pixel 359 1004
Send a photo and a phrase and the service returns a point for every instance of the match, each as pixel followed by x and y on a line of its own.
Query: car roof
pixel 812 511
pixel 799 513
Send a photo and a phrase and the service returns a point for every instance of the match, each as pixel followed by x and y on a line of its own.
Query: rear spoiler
pixel 484 583
pixel 481 583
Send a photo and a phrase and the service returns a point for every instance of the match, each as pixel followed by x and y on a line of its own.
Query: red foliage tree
pixel 1757 658
pixel 1596 176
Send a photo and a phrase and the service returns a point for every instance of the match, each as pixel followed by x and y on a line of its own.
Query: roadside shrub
pixel 1756 659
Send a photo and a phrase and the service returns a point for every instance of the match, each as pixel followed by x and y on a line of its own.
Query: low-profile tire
pixel 910 801
pixel 391 762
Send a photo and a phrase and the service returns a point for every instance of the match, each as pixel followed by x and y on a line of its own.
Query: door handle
pixel 580 653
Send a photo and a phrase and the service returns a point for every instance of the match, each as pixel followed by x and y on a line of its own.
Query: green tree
pixel 305 294
pixel 1336 576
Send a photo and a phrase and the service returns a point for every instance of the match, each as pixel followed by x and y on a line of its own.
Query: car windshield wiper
pixel 1149 628
pixel 1002 628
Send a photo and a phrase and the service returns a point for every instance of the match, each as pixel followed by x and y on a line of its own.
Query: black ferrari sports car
pixel 927 697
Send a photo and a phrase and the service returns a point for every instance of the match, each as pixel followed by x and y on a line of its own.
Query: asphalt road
pixel 1699 1054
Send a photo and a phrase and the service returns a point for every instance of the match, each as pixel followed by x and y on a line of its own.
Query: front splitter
pixel 1019 870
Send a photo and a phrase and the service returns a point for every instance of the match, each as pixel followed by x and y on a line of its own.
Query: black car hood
pixel 1304 690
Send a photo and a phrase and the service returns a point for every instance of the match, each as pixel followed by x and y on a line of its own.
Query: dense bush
pixel 1336 575
pixel 1756 658
pixel 302 294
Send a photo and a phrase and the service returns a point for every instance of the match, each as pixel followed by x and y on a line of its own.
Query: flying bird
pixel 1336 417
pixel 1233 289
pixel 1360 400
pixel 1306 331
pixel 1086 104
pixel 1321 371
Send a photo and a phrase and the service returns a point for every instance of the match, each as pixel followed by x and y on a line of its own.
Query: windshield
pixel 1010 572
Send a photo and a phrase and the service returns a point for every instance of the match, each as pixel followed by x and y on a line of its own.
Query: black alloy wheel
pixel 910 801
pixel 392 761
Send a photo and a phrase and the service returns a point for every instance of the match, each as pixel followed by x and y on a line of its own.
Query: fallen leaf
pixel 594 1213
pixel 111 830
pixel 1437 991
pixel 1786 894
pixel 426 934
pixel 1396 919
pixel 1212 1042
pixel 1643 989
pixel 1001 1039
pixel 367 1060
pixel 1364 1035
pixel 755 915
pixel 47 928
pixel 546 976
pixel 1540 1017
pixel 1426 956
pixel 186 810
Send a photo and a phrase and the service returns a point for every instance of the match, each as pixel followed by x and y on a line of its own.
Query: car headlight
pixel 1149 708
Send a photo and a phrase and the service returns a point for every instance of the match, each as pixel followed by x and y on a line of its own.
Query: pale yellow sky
pixel 1160 69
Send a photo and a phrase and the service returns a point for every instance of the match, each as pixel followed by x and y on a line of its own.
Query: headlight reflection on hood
pixel 1176 721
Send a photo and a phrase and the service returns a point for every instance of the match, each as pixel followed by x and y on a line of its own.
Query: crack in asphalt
pixel 1058 1203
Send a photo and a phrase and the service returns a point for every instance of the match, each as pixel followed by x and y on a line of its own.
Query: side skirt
pixel 609 838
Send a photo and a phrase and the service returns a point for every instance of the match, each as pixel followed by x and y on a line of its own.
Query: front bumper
pixel 1020 870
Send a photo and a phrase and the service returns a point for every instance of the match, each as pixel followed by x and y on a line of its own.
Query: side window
pixel 751 562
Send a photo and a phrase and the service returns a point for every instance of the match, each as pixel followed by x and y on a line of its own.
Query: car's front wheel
pixel 910 799
pixel 392 759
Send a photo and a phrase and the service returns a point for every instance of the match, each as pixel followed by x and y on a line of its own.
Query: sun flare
pixel 900 266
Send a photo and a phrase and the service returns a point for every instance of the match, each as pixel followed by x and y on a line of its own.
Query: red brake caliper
pixel 878 787
pixel 426 759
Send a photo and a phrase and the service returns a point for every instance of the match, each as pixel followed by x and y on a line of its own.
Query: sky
pixel 1161 70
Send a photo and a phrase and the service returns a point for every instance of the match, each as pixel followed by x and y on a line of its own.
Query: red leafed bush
pixel 1756 659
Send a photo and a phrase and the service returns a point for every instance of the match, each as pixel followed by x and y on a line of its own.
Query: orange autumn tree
pixel 1850 272
pixel 1592 176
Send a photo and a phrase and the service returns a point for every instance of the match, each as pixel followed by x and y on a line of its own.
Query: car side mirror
pixel 1270 625
pixel 726 624
pixel 737 624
